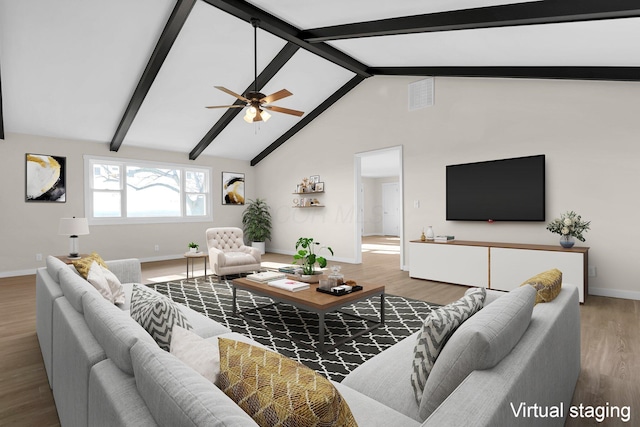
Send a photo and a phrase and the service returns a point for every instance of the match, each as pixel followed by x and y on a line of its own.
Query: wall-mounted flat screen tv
pixel 497 190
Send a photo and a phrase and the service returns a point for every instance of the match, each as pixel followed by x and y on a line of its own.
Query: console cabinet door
pixel 511 267
pixel 444 262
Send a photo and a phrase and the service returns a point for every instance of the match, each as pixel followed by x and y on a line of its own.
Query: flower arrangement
pixel 569 224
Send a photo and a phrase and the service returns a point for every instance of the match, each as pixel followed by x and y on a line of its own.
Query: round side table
pixel 191 257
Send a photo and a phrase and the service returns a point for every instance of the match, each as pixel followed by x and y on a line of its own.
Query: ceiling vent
pixel 421 94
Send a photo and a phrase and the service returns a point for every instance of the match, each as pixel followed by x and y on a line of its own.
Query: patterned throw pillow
pixel 157 315
pixel 83 265
pixel 277 391
pixel 438 326
pixel 547 285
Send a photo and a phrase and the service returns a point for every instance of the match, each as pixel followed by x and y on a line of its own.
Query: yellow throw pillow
pixel 83 265
pixel 277 391
pixel 547 285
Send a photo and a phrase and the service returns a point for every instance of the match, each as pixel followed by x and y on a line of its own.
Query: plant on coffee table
pixel 306 248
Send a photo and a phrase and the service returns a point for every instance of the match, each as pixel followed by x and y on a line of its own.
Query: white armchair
pixel 228 253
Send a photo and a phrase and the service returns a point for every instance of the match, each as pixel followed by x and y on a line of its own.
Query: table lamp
pixel 73 227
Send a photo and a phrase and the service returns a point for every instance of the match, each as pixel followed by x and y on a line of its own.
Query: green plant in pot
pixel 306 254
pixel 193 247
pixel 256 223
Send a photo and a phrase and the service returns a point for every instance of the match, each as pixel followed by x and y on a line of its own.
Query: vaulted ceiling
pixel 140 72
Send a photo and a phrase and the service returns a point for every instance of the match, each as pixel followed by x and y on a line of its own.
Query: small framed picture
pixel 319 186
pixel 314 179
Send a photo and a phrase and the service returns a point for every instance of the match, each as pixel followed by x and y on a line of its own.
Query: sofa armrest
pixel 126 270
pixel 216 258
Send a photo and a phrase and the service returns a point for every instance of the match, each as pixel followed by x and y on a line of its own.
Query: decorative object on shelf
pixel 319 187
pixel 232 188
pixel 45 178
pixel 430 233
pixel 569 226
pixel 306 253
pixel 256 223
pixel 422 236
pixel 73 227
pixel 193 247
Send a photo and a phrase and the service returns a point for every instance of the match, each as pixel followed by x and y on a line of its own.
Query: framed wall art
pixel 232 188
pixel 45 178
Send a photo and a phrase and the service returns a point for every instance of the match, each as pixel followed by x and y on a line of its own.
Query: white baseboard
pixel 614 293
pixel 18 273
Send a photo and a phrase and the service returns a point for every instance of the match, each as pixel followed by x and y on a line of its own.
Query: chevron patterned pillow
pixel 157 314
pixel 277 391
pixel 438 326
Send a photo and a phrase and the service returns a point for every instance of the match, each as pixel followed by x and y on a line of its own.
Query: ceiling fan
pixel 258 102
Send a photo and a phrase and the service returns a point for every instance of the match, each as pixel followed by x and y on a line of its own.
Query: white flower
pixel 565 230
pixel 567 222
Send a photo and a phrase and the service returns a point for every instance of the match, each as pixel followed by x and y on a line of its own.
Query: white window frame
pixel 123 163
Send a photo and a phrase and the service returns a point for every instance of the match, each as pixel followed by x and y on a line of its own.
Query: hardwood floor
pixel 610 338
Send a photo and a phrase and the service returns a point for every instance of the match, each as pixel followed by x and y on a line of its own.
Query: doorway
pixel 379 198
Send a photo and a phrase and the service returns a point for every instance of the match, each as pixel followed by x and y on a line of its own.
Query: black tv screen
pixel 497 190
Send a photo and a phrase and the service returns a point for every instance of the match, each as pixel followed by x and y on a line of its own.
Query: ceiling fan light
pixel 265 115
pixel 250 114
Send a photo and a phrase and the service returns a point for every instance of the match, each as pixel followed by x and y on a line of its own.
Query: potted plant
pixel 256 223
pixel 193 247
pixel 306 253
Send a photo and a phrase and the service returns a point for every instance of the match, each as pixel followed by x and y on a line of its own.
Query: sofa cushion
pixel 276 390
pixel 54 265
pixel 202 354
pixel 114 330
pixel 480 343
pixel 438 326
pixel 176 395
pixel 157 315
pixel 74 287
pixel 547 285
pixel 83 265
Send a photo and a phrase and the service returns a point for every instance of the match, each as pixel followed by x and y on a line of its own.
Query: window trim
pixel 124 162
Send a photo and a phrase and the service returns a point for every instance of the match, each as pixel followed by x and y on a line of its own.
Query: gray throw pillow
pixel 480 343
pixel 157 315
pixel 438 326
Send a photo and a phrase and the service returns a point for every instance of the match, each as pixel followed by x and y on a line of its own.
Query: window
pixel 121 191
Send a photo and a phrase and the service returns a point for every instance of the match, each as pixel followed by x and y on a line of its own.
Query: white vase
pixel 429 233
pixel 193 250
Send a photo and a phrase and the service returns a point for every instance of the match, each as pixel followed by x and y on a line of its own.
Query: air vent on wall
pixel 421 94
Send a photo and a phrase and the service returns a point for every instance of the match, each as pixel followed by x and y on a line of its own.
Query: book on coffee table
pixel 266 276
pixel 288 284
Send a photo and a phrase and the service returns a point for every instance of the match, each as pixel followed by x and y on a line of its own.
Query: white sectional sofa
pixel 105 370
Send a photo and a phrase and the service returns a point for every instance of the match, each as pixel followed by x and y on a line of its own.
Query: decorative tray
pixel 341 291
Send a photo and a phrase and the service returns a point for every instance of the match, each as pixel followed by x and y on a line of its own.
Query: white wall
pixel 30 228
pixel 587 130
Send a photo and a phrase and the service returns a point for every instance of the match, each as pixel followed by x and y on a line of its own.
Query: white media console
pixel 501 266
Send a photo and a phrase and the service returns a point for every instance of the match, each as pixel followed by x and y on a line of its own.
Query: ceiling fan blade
pixel 275 96
pixel 283 110
pixel 226 106
pixel 232 93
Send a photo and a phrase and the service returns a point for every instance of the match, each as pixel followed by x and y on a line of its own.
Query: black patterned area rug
pixel 214 299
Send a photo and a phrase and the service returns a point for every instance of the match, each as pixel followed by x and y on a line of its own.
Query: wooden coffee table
pixel 316 302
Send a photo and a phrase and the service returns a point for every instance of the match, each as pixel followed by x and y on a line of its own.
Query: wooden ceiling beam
pixel 263 78
pixel 246 11
pixel 569 73
pixel 346 88
pixel 169 35
pixel 540 12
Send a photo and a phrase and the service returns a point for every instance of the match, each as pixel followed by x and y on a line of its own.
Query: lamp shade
pixel 73 226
